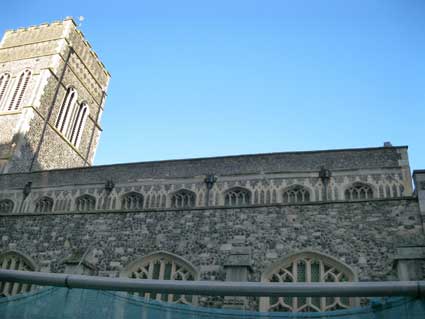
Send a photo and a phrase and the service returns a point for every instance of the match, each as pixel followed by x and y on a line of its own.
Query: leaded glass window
pixel 237 196
pixel 296 194
pixel 6 206
pixel 85 203
pixel 14 261
pixel 44 205
pixel 132 201
pixel 307 267
pixel 183 198
pixel 359 191
pixel 163 266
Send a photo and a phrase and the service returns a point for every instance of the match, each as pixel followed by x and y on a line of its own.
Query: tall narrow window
pixel 66 110
pixel 358 191
pixel 4 83
pixel 85 203
pixel 14 261
pixel 296 194
pixel 18 93
pixel 163 266
pixel 44 205
pixel 79 122
pixel 237 196
pixel 307 267
pixel 132 201
pixel 183 199
pixel 6 206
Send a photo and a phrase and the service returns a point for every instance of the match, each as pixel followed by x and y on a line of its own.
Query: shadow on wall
pixel 18 156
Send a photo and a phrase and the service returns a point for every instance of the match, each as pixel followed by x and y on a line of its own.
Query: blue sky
pixel 209 78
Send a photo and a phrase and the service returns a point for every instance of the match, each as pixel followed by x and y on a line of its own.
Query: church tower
pixel 52 93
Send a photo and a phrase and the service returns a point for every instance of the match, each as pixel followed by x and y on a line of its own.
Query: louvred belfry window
pixel 4 83
pixel 19 91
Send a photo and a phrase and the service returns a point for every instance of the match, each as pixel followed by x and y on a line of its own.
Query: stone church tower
pixel 52 91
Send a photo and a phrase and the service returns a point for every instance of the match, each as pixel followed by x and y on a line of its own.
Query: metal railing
pixel 220 288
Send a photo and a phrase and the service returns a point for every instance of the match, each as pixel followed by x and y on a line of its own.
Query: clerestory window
pixel 296 194
pixel 132 201
pixel 237 196
pixel 359 191
pixel 44 205
pixel 183 199
pixel 85 203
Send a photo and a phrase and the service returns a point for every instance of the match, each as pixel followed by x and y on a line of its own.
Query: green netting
pixel 93 304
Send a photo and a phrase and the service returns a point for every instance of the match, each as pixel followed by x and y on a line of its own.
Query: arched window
pixel 237 196
pixel 183 198
pixel 66 111
pixel 358 191
pixel 296 194
pixel 163 266
pixel 307 267
pixel 20 88
pixel 14 261
pixel 6 206
pixel 79 122
pixel 132 201
pixel 44 205
pixel 85 203
pixel 4 83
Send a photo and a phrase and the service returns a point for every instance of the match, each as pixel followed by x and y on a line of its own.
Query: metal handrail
pixel 220 288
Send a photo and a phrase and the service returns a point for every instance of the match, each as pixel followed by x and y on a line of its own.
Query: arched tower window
pixel 132 201
pixel 15 261
pixel 163 266
pixel 296 194
pixel 66 111
pixel 4 83
pixel 237 196
pixel 6 206
pixel 44 205
pixel 79 123
pixel 307 267
pixel 358 191
pixel 18 93
pixel 183 198
pixel 85 203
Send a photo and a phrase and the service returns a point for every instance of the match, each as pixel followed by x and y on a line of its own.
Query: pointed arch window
pixel 6 206
pixel 163 266
pixel 183 199
pixel 4 83
pixel 85 203
pixel 132 201
pixel 237 196
pixel 15 261
pixel 358 191
pixel 19 91
pixel 307 267
pixel 296 194
pixel 66 111
pixel 44 205
pixel 79 123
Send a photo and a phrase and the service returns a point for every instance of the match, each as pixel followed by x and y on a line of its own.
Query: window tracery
pixel 359 191
pixel 164 266
pixel 237 196
pixel 20 88
pixel 183 199
pixel 307 267
pixel 132 201
pixel 296 194
pixel 86 203
pixel 78 125
pixel 6 206
pixel 44 205
pixel 66 111
pixel 14 261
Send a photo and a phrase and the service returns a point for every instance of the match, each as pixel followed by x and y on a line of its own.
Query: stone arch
pixel 237 196
pixel 296 194
pixel 307 266
pixel 14 260
pixel 162 265
pixel 359 191
pixel 183 198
